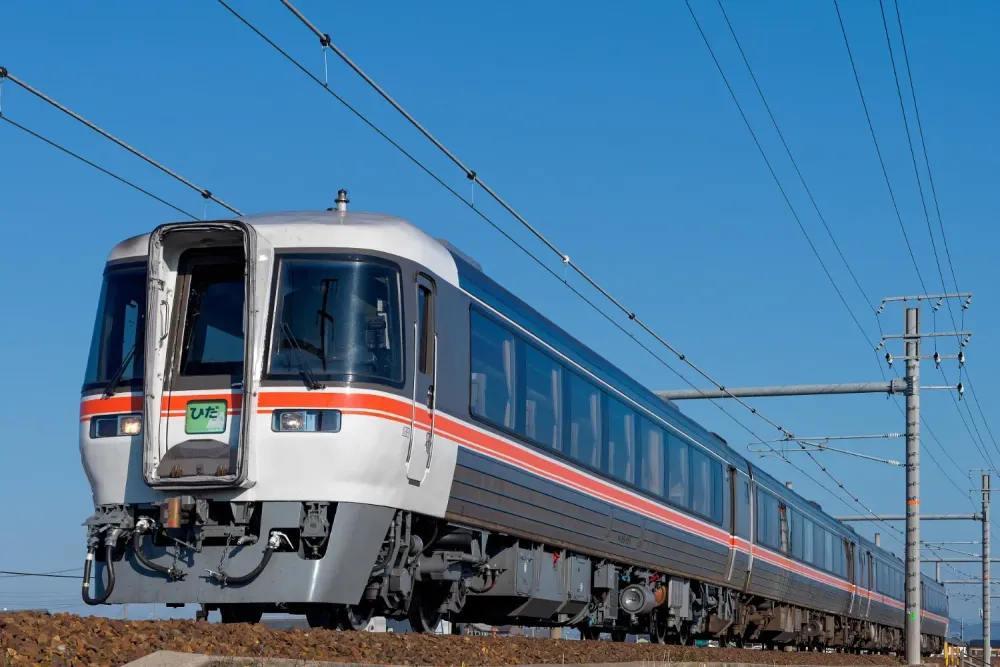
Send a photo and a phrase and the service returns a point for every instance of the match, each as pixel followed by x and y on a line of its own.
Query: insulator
pixel 888 358
pixel 961 358
pixel 937 360
pixel 961 390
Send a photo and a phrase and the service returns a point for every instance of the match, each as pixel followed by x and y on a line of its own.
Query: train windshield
pixel 337 318
pixel 120 327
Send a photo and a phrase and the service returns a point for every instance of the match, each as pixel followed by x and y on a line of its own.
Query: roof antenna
pixel 342 201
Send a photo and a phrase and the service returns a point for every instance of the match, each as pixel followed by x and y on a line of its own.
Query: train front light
pixel 110 426
pixel 309 421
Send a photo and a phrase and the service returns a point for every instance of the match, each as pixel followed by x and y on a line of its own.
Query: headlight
pixel 323 421
pixel 110 426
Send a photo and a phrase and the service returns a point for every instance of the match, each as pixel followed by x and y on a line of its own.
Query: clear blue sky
pixel 608 127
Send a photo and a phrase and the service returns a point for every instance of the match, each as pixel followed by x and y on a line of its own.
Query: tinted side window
pixel 678 471
pixel 621 441
pixel 701 482
pixel 585 428
pixel 494 382
pixel 543 402
pixel 808 541
pixel 653 451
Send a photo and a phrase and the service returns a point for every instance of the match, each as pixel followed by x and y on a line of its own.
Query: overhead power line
pixel 326 42
pixel 206 194
pixel 96 166
pixel 47 575
pixel 878 150
pixel 937 209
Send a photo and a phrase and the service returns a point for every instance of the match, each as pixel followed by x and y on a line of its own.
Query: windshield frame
pixel 275 334
pixel 132 384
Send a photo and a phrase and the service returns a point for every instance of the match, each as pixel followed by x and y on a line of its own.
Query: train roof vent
pixel 456 251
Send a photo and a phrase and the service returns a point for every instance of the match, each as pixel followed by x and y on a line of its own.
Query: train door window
pixel 652 457
pixel 621 441
pixel 677 472
pixel 701 482
pixel 494 372
pixel 543 400
pixel 213 323
pixel 849 573
pixel 585 427
pixel 425 325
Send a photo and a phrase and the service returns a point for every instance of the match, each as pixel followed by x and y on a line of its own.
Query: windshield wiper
pixel 109 391
pixel 307 374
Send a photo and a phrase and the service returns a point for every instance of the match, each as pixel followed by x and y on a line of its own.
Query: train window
pixel 338 318
pixel 621 441
pixel 653 458
pixel 717 486
pixel 819 547
pixel 585 427
pixel 701 482
pixel 120 325
pixel 677 472
pixel 213 326
pixel 827 551
pixel 543 403
pixel 494 381
pixel 796 535
pixel 768 522
pixel 424 328
pixel 808 541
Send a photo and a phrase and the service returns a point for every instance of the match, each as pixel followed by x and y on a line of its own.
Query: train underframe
pixel 429 569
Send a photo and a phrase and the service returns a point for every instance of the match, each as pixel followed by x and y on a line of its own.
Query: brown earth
pixel 65 639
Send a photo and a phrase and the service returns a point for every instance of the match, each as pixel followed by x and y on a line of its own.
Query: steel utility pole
pixel 911 622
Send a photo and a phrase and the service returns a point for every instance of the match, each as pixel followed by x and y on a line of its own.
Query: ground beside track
pixel 65 639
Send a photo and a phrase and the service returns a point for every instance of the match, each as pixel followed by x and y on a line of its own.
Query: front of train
pixel 247 420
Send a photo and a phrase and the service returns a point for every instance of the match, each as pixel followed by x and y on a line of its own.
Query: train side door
pixel 418 457
pixel 871 581
pixel 851 574
pixel 751 499
pixel 733 510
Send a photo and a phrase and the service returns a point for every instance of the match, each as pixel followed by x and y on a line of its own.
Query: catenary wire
pixel 206 194
pixel 96 166
pixel 878 150
pixel 565 258
pixel 819 213
pixel 47 575
pixel 937 209
pixel 474 177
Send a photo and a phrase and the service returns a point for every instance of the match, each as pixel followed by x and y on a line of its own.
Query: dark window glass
pixel 827 551
pixel 120 325
pixel 213 327
pixel 701 482
pixel 717 489
pixel 543 402
pixel 494 380
pixel 338 318
pixel 678 472
pixel 819 547
pixel 423 328
pixel 808 541
pixel 585 426
pixel 768 520
pixel 621 441
pixel 653 457
pixel 796 536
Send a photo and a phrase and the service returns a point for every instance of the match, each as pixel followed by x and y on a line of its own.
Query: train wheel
pixel 657 628
pixel 324 616
pixel 355 617
pixel 424 611
pixel 238 613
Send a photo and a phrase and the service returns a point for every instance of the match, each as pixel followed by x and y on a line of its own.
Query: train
pixel 333 414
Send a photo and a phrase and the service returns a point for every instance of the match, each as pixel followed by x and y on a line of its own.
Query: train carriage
pixel 333 414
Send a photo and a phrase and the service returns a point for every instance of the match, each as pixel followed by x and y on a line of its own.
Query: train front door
pixel 420 452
